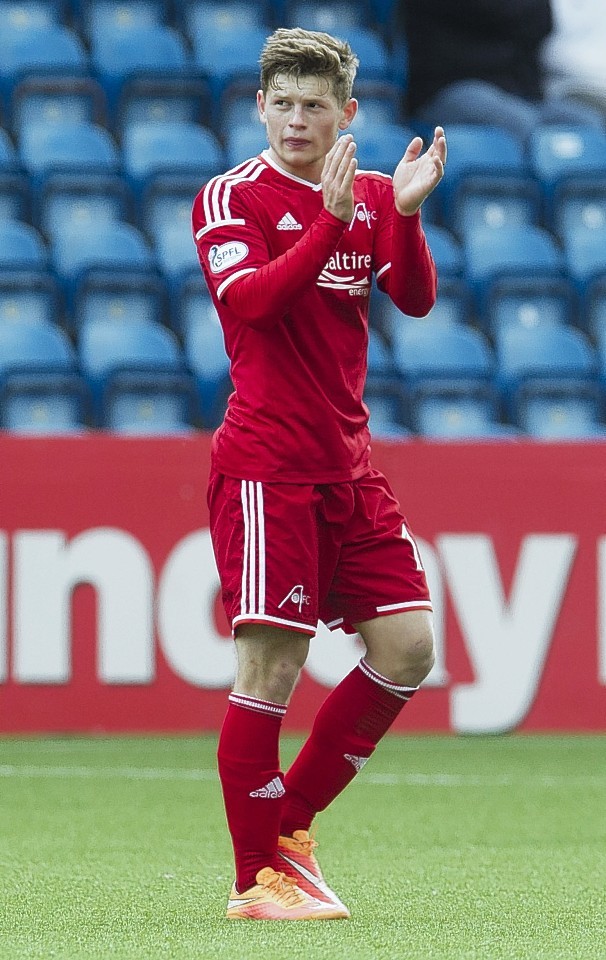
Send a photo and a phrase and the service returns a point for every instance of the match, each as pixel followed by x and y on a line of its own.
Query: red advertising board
pixel 109 611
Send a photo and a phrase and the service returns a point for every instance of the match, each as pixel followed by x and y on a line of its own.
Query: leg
pixel 269 662
pixel 358 713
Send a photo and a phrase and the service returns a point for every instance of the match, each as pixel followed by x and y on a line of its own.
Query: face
pixel 303 120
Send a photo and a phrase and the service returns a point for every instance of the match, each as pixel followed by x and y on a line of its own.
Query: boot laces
pixel 284 889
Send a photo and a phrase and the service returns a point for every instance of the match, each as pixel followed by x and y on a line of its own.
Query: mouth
pixel 294 143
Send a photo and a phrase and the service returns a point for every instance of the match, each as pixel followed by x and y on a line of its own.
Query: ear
pixel 348 113
pixel 261 106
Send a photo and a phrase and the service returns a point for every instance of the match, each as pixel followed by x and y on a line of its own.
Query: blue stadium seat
pixel 381 146
pixel 83 256
pixel 429 353
pixel 594 308
pixel 379 101
pixel 139 404
pixel 153 149
pixel 488 182
pixel 228 53
pixel 197 16
pixel 115 356
pixel 48 149
pixel 122 298
pixel 50 99
pixel 157 98
pixel 30 297
pixel 205 355
pixel 100 16
pixel 452 306
pixel 25 51
pixel 80 200
pixel 562 158
pixel 244 141
pixel 25 14
pixel 509 253
pixel 573 414
pixel 460 417
pixel 121 56
pixel 325 16
pixel 21 247
pixel 533 361
pixel 40 388
pixel 528 301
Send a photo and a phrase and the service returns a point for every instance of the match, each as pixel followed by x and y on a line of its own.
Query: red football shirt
pixel 291 284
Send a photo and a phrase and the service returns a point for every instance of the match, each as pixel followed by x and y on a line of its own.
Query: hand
pixel 338 177
pixel 417 174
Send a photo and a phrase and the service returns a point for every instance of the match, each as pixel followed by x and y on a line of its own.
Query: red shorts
pixel 292 554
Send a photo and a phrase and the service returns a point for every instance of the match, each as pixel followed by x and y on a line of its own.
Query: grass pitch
pixel 445 848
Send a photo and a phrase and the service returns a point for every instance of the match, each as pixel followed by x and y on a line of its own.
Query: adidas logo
pixel 288 222
pixel 271 790
pixel 358 762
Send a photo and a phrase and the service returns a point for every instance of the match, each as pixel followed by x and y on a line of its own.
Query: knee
pixel 269 665
pixel 419 653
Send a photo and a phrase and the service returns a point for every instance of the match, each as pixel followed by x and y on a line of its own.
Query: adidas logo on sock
pixel 271 790
pixel 288 222
pixel 358 762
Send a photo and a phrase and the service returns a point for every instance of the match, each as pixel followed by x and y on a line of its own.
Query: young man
pixel 303 527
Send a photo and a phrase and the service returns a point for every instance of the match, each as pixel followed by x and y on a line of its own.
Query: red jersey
pixel 291 284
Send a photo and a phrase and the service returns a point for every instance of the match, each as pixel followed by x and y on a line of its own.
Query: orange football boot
pixel 277 897
pixel 301 865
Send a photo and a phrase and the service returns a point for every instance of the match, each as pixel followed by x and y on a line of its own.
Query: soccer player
pixel 303 527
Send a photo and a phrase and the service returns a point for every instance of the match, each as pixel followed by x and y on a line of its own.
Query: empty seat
pixel 99 16
pixel 327 17
pixel 559 156
pixel 164 99
pixel 509 253
pixel 387 403
pixel 548 357
pixel 120 56
pixel 488 182
pixel 123 298
pixel 460 418
pixel 427 353
pixel 50 99
pixel 446 251
pixel 197 16
pixel 40 388
pixel 228 53
pixel 563 415
pixel 82 200
pixel 176 254
pixel 167 203
pixel 71 147
pixel 82 256
pixel 170 149
pixel 585 255
pixel 529 301
pixel 31 297
pixel 29 50
pixel 379 101
pixel 452 306
pixel 25 14
pixel 372 51
pixel 192 304
pixel 121 358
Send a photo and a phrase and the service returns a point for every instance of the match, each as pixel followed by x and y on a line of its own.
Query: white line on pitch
pixel 368 778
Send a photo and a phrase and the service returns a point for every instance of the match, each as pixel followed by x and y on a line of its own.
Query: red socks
pixel 348 726
pixel 260 803
pixel 253 789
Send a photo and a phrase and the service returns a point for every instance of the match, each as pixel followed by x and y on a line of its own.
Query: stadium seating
pixel 41 390
pixel 545 360
pixel 29 296
pixel 461 417
pixel 48 149
pixel 122 298
pixel 585 255
pixel 569 163
pixel 488 183
pixel 506 255
pixel 529 301
pixel 21 247
pixel 26 50
pixel 228 53
pixel 14 188
pixel 131 360
pixel 327 17
pixel 381 145
pixel 50 99
pixel 152 150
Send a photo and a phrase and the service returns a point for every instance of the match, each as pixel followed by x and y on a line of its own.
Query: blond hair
pixel 297 53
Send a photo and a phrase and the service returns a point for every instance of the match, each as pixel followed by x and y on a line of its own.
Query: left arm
pixel 413 289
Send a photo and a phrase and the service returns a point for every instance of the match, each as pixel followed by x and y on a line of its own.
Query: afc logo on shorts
pixel 297 596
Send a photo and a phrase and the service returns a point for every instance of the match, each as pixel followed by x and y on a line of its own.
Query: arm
pixel 263 297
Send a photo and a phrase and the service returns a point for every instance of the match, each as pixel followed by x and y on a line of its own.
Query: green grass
pixel 475 848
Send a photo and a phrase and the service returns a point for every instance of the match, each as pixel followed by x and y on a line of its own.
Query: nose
pixel 296 117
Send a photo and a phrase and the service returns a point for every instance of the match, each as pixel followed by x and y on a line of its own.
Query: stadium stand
pixel 112 116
